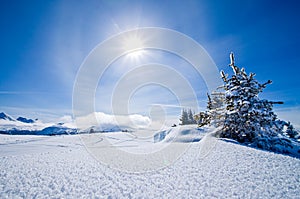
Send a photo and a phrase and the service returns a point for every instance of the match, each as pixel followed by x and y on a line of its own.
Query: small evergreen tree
pixel 191 117
pixel 216 107
pixel 184 117
pixel 187 117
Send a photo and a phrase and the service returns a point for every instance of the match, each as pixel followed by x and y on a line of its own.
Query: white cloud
pixel 102 121
pixel 289 114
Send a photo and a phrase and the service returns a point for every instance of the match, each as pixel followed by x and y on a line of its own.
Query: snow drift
pixel 186 133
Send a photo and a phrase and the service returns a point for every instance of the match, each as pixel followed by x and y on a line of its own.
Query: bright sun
pixel 135 45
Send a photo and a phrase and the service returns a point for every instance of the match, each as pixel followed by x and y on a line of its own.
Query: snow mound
pixel 280 145
pixel 186 133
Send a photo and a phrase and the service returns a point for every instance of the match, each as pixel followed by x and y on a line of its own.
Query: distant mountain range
pixel 27 126
pixel 3 116
pixel 25 120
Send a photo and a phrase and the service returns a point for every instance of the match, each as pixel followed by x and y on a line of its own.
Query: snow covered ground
pixel 61 167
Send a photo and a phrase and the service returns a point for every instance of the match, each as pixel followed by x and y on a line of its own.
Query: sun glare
pixel 134 45
pixel 137 54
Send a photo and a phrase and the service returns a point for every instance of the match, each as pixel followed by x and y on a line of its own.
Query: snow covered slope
pixel 60 167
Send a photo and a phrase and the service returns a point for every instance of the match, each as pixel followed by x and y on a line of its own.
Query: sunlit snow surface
pixel 61 167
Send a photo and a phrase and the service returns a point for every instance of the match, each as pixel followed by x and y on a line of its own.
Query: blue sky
pixel 43 44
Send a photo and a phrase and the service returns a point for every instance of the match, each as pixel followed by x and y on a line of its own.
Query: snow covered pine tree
pixel 249 119
pixel 187 117
pixel 214 115
pixel 191 117
pixel 202 118
pixel 216 107
pixel 184 117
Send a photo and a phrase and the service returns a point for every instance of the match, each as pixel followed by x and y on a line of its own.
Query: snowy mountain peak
pixel 3 116
pixel 25 120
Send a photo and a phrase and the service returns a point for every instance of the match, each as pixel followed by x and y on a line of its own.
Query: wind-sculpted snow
pixel 187 133
pixel 60 167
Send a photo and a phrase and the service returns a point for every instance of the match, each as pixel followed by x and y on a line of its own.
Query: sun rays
pixel 134 47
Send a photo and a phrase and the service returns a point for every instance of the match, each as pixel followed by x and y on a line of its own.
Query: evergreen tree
pixel 184 117
pixel 191 117
pixel 216 107
pixel 187 117
pixel 202 119
pixel 290 131
pixel 247 117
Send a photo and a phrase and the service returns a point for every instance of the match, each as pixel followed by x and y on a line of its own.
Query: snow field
pixel 60 167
